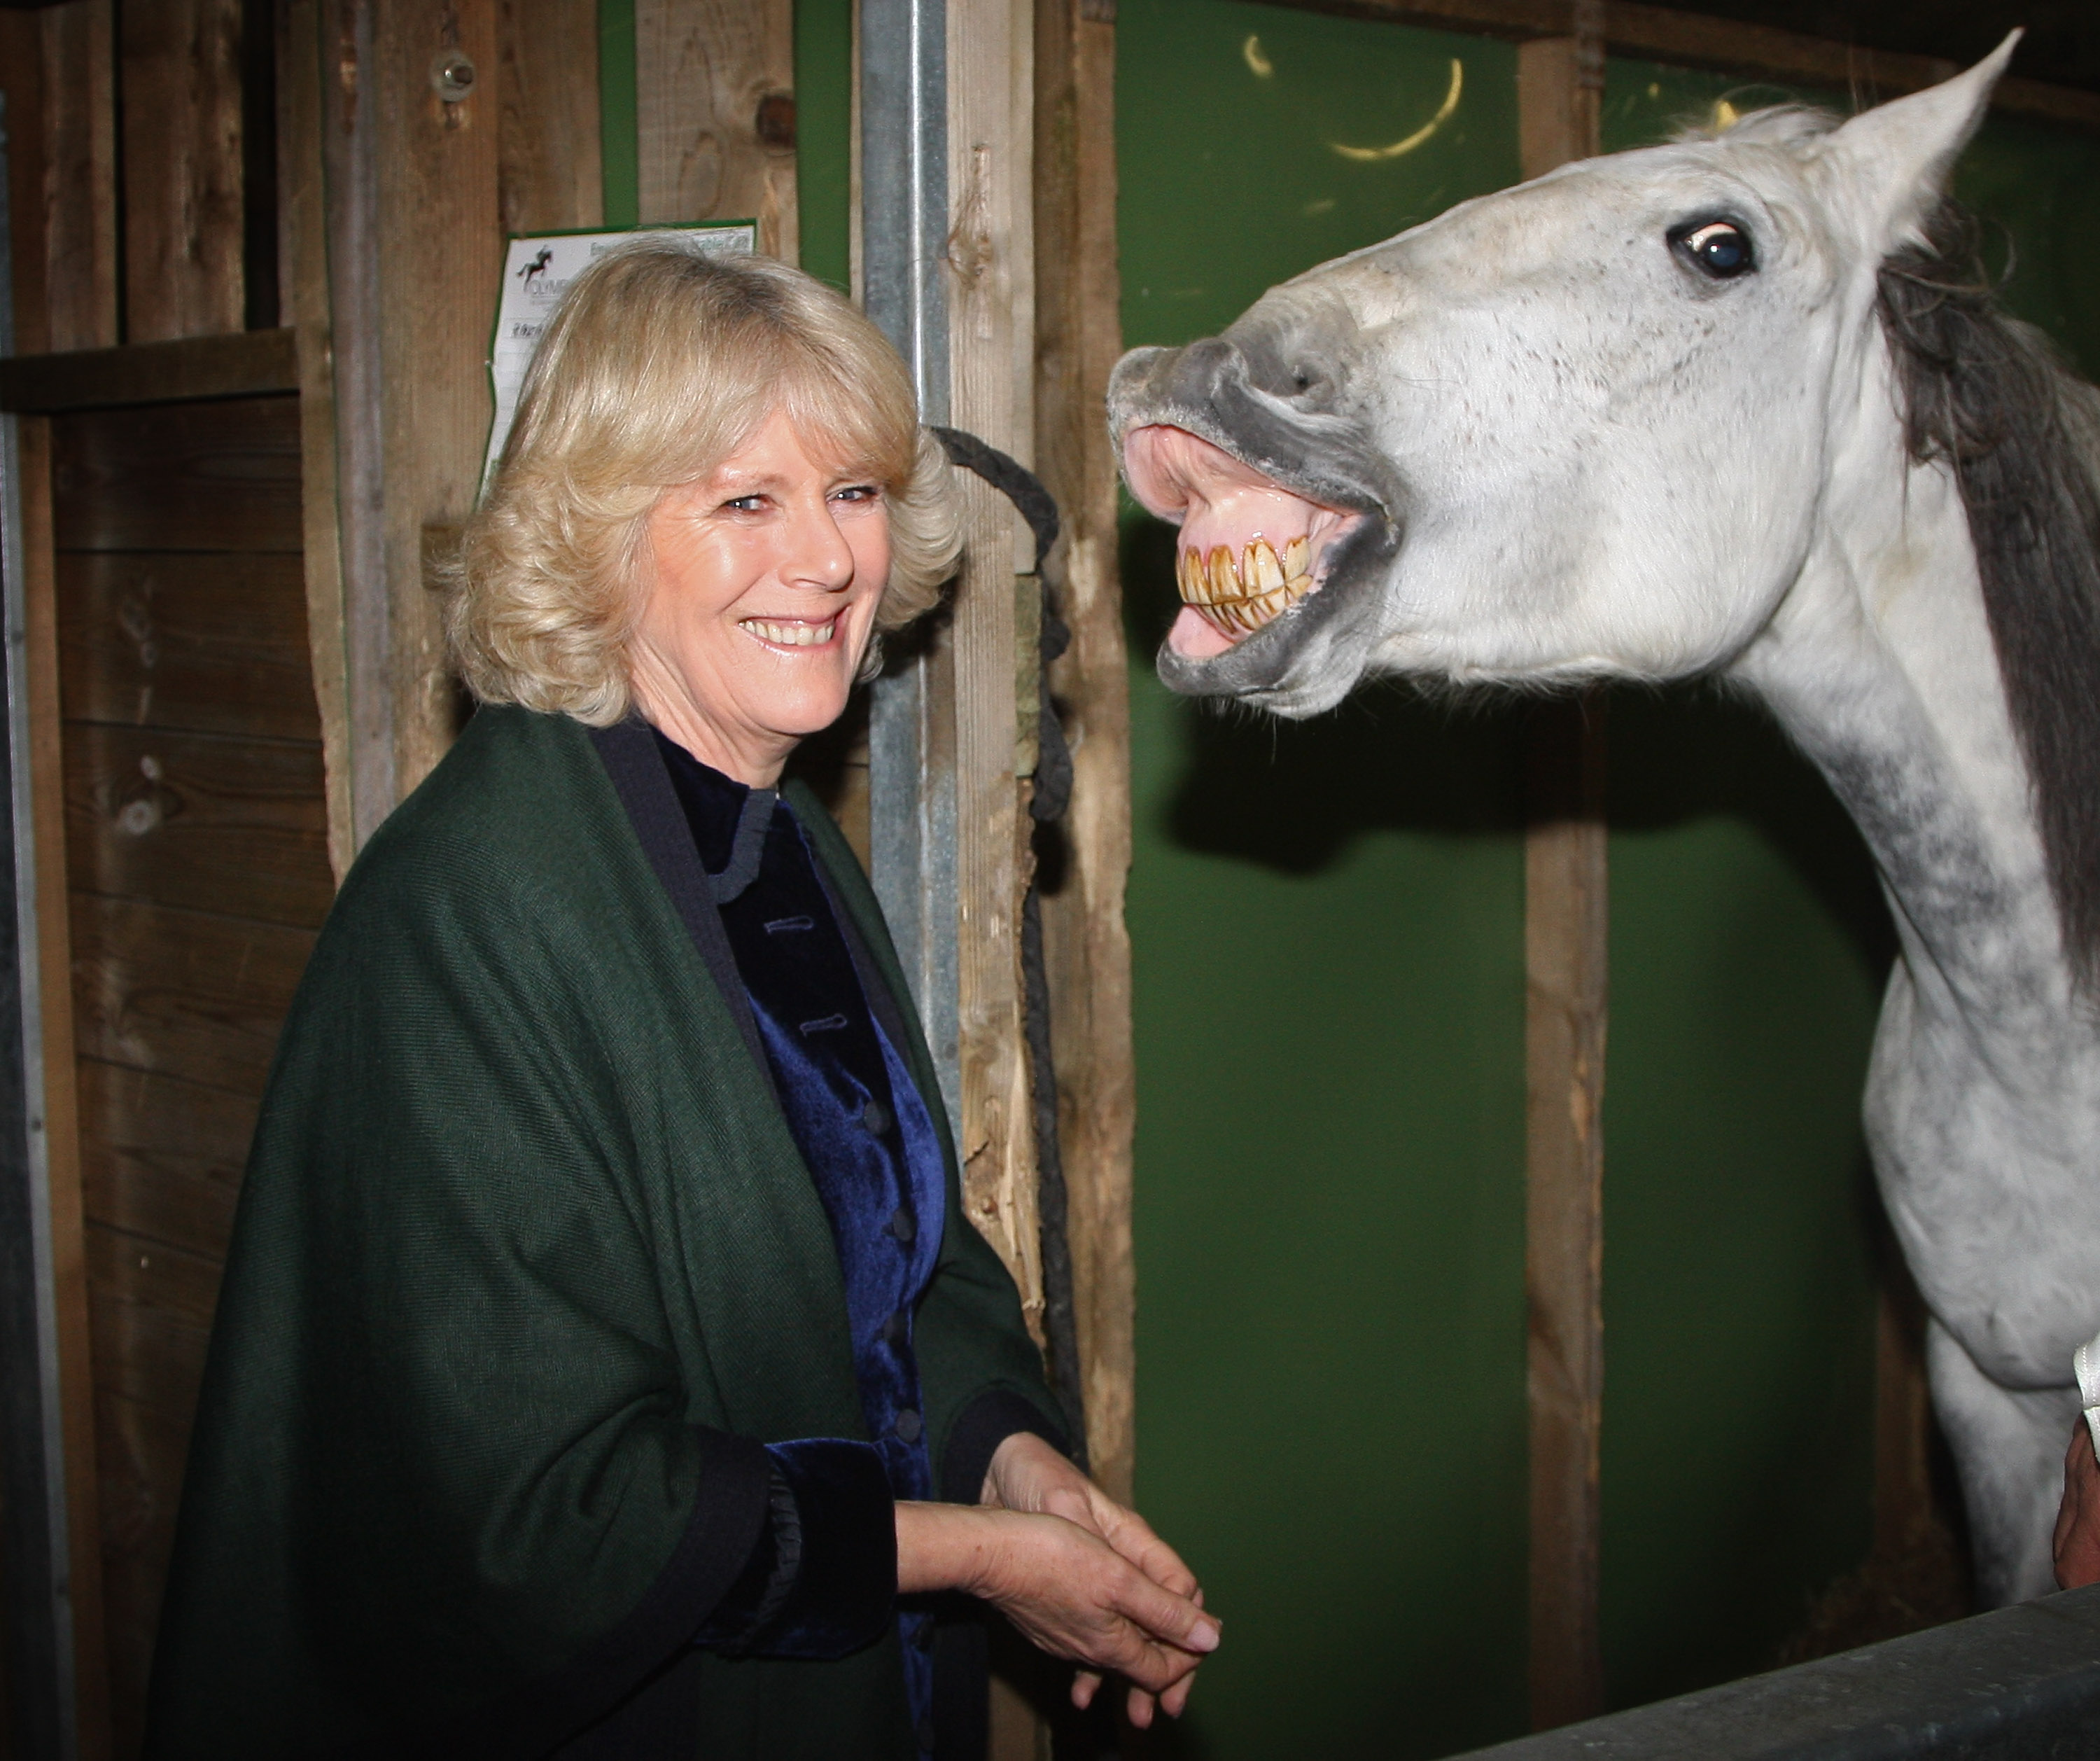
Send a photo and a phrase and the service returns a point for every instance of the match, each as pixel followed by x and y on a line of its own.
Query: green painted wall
pixel 1326 919
pixel 1327 922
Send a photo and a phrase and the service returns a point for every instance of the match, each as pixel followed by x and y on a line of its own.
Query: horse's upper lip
pixel 1300 450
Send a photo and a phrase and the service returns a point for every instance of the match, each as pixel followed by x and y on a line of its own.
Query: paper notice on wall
pixel 536 272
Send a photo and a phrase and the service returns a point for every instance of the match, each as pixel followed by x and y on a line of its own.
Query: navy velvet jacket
pixel 819 1581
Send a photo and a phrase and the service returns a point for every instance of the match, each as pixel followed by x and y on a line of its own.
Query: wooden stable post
pixel 1087 946
pixel 1559 91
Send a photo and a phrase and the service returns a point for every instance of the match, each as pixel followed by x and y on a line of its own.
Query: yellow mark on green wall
pixel 1370 155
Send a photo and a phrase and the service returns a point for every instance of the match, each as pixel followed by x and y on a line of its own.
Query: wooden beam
pixel 1759 51
pixel 54 956
pixel 549 152
pixel 991 295
pixel 247 363
pixel 21 81
pixel 714 87
pixel 414 246
pixel 303 291
pixel 1559 93
pixel 80 175
pixel 180 61
pixel 1087 944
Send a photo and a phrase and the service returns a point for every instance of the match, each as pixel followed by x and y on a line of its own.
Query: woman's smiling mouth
pixel 791 633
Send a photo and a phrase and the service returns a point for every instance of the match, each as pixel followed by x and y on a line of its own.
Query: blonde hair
pixel 659 364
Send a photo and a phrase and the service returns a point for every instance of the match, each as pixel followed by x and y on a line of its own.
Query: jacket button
pixel 902 1224
pixel 874 1117
pixel 909 1425
pixel 893 1328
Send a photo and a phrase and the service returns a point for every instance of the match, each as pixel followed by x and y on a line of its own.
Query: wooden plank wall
pixel 992 636
pixel 196 854
pixel 1560 82
pixel 188 855
pixel 714 91
pixel 1086 943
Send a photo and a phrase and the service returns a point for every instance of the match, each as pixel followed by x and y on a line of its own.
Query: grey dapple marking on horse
pixel 1731 408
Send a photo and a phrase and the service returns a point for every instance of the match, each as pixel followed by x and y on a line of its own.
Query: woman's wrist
pixel 945 1546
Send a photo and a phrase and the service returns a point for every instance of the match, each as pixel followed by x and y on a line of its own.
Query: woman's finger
pixel 1131 1535
pixel 1177 1620
pixel 1139 1709
pixel 1176 1697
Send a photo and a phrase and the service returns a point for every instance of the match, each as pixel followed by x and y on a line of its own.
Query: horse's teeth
pixel 1237 597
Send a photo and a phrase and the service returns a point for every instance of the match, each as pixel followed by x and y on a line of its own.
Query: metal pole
pixel 37 1559
pixel 904 233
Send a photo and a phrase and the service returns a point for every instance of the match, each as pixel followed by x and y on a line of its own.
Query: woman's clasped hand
pixel 1081 1576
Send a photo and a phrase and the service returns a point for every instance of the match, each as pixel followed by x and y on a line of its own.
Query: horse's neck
pixel 1881 663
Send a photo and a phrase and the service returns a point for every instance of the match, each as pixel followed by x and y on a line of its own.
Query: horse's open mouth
pixel 1250 548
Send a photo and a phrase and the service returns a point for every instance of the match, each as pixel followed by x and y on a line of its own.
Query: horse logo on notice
pixel 537 266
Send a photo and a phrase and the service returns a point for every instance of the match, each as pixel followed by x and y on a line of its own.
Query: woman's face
pixel 764 579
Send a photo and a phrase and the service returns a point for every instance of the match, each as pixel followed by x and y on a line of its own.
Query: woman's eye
pixel 857 493
pixel 1718 247
pixel 745 504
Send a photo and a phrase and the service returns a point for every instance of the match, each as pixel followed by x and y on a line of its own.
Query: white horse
pixel 1737 406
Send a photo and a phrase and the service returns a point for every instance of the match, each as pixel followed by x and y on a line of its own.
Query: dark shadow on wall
pixel 1691 752
pixel 1291 795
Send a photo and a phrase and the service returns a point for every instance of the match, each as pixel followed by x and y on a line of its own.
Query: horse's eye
pixel 1717 248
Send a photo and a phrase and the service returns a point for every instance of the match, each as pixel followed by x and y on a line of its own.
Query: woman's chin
pixel 809 709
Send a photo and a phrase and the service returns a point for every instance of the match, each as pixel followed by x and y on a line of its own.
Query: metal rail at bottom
pixel 2022 1683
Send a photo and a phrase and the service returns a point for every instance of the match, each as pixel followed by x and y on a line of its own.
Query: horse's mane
pixel 2021 432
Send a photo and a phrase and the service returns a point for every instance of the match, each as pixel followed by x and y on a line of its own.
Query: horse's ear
pixel 1894 160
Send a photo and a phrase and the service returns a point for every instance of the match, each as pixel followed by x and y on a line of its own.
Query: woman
pixel 603 1366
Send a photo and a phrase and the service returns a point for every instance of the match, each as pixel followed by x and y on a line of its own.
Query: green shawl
pixel 520 1213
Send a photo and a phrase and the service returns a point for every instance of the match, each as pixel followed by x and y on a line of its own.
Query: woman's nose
pixel 818 554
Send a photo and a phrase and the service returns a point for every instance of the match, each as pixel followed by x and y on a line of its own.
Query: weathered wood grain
pixel 1560 92
pixel 238 827
pixel 183 993
pixel 412 205
pixel 1566 965
pixel 549 155
pixel 162 1159
pixel 22 82
pixel 60 1104
pixel 217 476
pixel 247 363
pixel 1086 943
pixel 187 640
pixel 80 174
pixel 714 89
pixel 153 1307
pixel 142 1450
pixel 991 317
pixel 302 279
pixel 179 61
